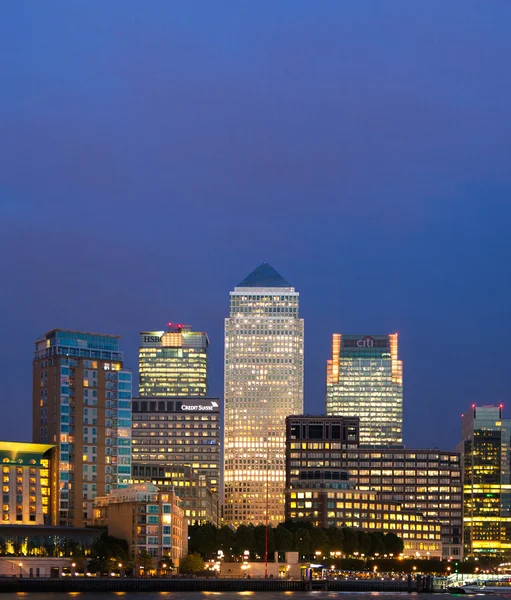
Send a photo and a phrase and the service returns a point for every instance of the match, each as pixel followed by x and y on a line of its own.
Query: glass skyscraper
pixel 364 379
pixel 173 362
pixel 82 405
pixel 485 449
pixel 263 384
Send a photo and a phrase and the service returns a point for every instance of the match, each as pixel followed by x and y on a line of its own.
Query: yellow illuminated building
pixel 26 483
pixel 173 362
pixel 365 509
pixel 485 448
pixel 364 378
pixel 263 384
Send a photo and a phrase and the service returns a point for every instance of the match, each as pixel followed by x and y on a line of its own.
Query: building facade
pixel 364 378
pixel 169 433
pixel 263 384
pixel 173 362
pixel 201 504
pixel 338 507
pixel 428 481
pixel 486 447
pixel 82 405
pixel 26 483
pixel 149 519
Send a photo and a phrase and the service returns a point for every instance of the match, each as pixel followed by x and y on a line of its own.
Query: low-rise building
pixel 427 481
pixel 26 483
pixel 150 519
pixel 366 510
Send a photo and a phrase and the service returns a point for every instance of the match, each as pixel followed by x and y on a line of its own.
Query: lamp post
pixel 21 566
pixel 120 570
pixel 73 565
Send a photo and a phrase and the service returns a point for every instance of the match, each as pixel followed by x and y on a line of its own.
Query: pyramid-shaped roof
pixel 264 276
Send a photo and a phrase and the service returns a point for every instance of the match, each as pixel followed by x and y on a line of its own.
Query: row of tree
pixel 304 538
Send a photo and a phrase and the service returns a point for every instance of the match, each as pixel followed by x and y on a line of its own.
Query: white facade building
pixel 263 385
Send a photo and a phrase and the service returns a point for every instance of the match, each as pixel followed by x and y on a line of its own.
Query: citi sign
pixel 366 342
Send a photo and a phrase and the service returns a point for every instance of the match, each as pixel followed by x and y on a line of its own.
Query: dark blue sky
pixel 152 155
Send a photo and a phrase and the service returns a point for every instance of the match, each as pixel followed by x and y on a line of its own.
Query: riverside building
pixel 173 362
pixel 149 519
pixel 82 405
pixel 26 483
pixel 485 447
pixel 263 384
pixel 428 481
pixel 364 378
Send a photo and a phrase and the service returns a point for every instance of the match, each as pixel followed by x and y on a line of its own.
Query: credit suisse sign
pixel 200 406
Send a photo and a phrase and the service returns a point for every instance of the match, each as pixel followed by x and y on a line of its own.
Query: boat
pixel 482 586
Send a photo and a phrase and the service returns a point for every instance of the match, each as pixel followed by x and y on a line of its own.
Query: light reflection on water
pixel 319 595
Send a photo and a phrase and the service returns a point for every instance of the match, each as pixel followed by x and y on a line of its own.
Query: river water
pixel 236 596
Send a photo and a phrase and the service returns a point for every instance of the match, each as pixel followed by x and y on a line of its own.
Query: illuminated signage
pixel 151 338
pixel 200 407
pixel 366 342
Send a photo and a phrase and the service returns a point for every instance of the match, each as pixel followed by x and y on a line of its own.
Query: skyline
pixel 149 161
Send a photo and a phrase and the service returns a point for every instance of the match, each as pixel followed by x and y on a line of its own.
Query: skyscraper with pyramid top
pixel 263 385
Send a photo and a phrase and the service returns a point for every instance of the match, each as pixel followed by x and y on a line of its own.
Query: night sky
pixel 153 154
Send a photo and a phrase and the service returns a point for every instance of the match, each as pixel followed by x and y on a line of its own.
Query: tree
pixel 203 539
pixel 283 539
pixel 393 544
pixel 350 541
pixel 302 542
pixel 245 538
pixel 226 539
pixel 106 552
pixel 145 560
pixel 191 563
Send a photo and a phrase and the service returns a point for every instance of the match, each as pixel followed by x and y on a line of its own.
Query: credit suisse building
pixel 176 431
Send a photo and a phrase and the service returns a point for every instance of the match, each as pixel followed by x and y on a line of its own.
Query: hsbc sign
pixel 150 338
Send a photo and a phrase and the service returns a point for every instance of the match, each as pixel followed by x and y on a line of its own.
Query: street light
pixel 21 565
pixel 73 565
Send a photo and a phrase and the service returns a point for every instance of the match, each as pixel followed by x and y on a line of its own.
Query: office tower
pixel 322 460
pixel 150 519
pixel 26 488
pixel 364 378
pixel 173 362
pixel 172 432
pixel 263 384
pixel 485 448
pixel 82 404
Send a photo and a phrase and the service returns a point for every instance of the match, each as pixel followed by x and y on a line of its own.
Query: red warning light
pixel 169 324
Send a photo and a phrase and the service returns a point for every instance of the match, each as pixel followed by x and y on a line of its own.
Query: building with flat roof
pixel 82 405
pixel 486 451
pixel 345 507
pixel 26 483
pixel 263 384
pixel 173 362
pixel 428 481
pixel 149 519
pixel 173 431
pixel 364 378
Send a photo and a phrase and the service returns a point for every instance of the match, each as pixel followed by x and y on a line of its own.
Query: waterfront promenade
pixel 182 584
